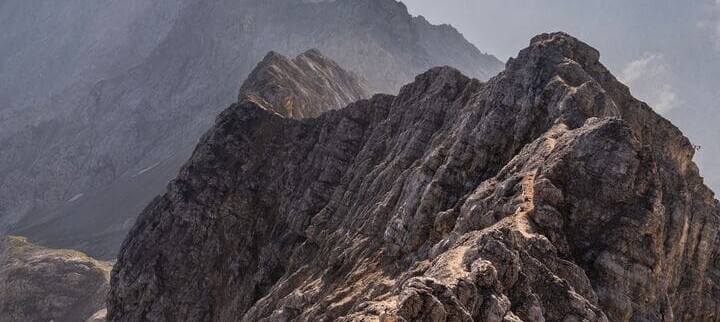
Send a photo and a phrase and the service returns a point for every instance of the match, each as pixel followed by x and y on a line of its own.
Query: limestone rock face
pixel 304 87
pixel 545 194
pixel 39 284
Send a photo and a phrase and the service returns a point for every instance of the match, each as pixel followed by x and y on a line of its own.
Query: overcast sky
pixel 667 51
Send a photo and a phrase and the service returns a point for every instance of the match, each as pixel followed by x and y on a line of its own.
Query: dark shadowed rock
pixel 546 194
pixel 39 284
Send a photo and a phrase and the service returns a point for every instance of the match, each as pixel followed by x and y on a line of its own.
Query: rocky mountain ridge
pixel 38 284
pixel 546 194
pixel 103 103
pixel 304 87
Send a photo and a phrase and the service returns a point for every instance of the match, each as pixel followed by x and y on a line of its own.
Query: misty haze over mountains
pixel 103 101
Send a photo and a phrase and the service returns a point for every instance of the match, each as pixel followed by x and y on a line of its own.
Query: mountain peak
pixel 567 45
pixel 302 87
pixel 558 50
pixel 444 80
pixel 272 57
pixel 314 52
pixel 559 46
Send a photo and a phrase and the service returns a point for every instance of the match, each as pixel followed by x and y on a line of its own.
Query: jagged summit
pixel 315 53
pixel 547 193
pixel 446 81
pixel 560 44
pixel 272 57
pixel 302 87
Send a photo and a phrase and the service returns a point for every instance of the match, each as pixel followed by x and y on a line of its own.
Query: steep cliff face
pixel 546 194
pixel 39 284
pixel 105 102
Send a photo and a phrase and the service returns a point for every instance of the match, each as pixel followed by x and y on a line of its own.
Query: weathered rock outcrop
pixel 546 194
pixel 39 284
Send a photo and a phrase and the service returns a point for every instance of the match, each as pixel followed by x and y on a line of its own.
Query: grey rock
pixel 107 100
pixel 546 194
pixel 39 284
pixel 304 87
pixel 307 86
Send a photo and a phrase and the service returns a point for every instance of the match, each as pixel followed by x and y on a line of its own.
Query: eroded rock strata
pixel 39 284
pixel 306 86
pixel 546 194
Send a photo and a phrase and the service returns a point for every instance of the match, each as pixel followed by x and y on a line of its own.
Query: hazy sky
pixel 667 51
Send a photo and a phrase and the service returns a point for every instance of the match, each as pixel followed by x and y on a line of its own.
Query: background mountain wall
pixel 102 102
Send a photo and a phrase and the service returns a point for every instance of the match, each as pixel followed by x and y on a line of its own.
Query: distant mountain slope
pixel 306 86
pixel 39 284
pixel 548 193
pixel 94 94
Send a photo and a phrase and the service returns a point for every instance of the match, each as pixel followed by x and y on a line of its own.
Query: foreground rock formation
pixel 39 284
pixel 546 194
